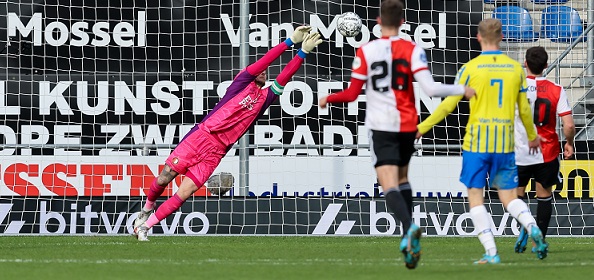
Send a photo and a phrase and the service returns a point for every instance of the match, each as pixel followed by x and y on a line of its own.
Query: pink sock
pixel 152 220
pixel 148 205
pixel 154 192
pixel 169 206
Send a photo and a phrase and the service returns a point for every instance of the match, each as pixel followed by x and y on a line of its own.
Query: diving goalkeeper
pixel 201 150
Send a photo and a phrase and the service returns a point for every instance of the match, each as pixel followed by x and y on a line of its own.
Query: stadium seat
pixel 549 2
pixel 508 2
pixel 517 24
pixel 561 24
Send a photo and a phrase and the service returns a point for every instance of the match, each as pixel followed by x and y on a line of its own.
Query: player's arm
pixel 569 133
pixel 425 79
pixel 432 89
pixel 253 70
pixel 525 112
pixel 348 95
pixel 358 78
pixel 445 108
pixel 564 111
pixel 262 64
pixel 310 42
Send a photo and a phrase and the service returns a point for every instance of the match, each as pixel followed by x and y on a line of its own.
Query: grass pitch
pixel 275 257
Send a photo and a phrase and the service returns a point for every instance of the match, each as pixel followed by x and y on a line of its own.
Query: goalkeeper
pixel 201 150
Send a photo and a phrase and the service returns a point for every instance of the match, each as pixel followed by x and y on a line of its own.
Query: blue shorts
pixel 501 169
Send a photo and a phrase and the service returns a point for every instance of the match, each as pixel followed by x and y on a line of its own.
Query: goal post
pixel 93 98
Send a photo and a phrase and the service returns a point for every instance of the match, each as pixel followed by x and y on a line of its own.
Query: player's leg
pixel 388 179
pixel 482 221
pixel 194 180
pixel 524 176
pixel 186 189
pixel 546 176
pixel 184 155
pixel 474 176
pixel 406 150
pixel 544 209
pixel 505 181
pixel 157 187
pixel 405 187
pixel 397 203
pixel 385 152
pixel 519 210
pixel 198 163
pixel 410 245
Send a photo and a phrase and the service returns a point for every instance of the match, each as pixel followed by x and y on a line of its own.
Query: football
pixel 220 184
pixel 349 24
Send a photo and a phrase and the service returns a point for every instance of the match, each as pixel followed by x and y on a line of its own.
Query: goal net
pixel 95 96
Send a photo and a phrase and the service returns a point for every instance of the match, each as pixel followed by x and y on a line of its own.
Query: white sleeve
pixel 432 89
pixel 418 60
pixel 563 103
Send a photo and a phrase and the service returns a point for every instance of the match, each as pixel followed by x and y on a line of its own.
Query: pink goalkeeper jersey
pixel 244 102
pixel 238 110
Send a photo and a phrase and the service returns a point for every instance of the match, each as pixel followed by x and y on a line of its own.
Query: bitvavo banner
pixel 288 216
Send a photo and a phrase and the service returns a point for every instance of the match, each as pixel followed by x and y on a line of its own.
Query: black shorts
pixel 547 174
pixel 391 148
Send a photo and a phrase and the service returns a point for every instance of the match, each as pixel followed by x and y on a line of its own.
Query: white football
pixel 349 24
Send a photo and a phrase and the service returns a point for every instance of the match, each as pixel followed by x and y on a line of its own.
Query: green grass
pixel 275 257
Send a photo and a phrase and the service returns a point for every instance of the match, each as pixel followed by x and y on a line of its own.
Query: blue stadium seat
pixel 516 24
pixel 546 2
pixel 561 24
pixel 549 2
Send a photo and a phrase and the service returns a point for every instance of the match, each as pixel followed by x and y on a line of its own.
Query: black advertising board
pixel 303 216
pixel 92 66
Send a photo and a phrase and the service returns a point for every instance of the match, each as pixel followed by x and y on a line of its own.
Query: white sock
pixel 519 210
pixel 482 222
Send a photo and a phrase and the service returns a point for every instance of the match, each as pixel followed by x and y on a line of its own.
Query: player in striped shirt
pixel 488 148
pixel 201 150
pixel 548 100
pixel 388 65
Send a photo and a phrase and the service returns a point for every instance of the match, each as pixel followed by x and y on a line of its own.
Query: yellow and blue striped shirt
pixel 500 84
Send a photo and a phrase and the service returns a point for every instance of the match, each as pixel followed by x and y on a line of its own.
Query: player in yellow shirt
pixel 488 148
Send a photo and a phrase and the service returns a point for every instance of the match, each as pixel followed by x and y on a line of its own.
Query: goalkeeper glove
pixel 300 34
pixel 311 41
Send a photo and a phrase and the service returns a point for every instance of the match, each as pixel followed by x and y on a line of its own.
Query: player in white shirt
pixel 548 100
pixel 388 66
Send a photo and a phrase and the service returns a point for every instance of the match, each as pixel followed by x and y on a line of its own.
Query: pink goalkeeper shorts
pixel 197 156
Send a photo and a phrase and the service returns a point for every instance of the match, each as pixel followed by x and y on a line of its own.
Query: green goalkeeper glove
pixel 311 41
pixel 300 33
